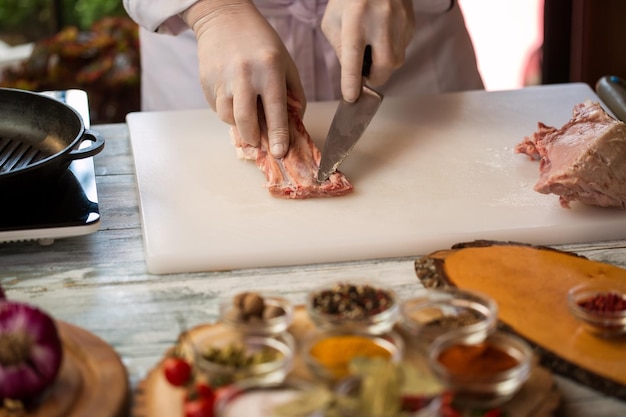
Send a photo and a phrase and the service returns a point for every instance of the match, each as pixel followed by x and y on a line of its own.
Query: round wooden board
pixel 155 397
pixel 92 381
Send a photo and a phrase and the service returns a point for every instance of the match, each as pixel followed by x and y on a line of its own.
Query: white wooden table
pixel 100 283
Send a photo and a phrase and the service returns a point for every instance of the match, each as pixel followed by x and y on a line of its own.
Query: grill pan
pixel 39 137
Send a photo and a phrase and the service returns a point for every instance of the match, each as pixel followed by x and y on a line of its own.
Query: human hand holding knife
pixel 349 123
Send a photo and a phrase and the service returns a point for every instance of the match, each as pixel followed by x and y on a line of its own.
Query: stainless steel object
pixel 612 90
pixel 349 123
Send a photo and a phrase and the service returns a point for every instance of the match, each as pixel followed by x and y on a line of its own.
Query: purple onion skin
pixel 2 295
pixel 29 378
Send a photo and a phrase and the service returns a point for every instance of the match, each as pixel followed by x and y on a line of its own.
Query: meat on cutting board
pixel 585 160
pixel 293 176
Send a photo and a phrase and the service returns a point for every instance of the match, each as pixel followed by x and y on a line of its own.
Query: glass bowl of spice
pixel 292 397
pixel 488 373
pixel 600 307
pixel 328 354
pixel 257 313
pixel 470 315
pixel 346 306
pixel 385 389
pixel 224 356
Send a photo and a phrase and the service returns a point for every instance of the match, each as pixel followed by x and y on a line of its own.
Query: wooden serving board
pixel 530 285
pixel 155 397
pixel 92 381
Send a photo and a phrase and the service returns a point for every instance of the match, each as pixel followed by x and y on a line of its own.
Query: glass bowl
pixel 250 399
pixel 470 315
pixel 265 314
pixel 601 308
pixel 350 387
pixel 488 373
pixel 226 356
pixel 342 347
pixel 346 306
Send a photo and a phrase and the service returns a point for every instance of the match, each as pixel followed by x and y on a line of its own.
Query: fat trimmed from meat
pixel 585 160
pixel 295 175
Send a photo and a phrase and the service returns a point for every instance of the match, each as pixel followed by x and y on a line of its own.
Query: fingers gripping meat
pixel 293 176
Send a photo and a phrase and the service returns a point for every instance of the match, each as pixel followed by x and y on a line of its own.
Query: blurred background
pixel 63 44
pixel 93 45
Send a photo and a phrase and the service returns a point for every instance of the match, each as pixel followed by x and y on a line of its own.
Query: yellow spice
pixel 336 352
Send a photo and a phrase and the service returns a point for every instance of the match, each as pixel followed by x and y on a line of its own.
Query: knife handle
pixel 367 61
pixel 612 90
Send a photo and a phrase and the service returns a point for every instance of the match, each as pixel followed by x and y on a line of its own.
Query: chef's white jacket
pixel 440 57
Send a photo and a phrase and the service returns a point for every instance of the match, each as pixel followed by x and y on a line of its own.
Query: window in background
pixel 507 36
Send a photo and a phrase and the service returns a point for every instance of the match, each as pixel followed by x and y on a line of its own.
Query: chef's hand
pixel 351 25
pixel 244 62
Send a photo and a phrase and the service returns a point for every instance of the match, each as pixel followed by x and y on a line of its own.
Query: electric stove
pixel 65 208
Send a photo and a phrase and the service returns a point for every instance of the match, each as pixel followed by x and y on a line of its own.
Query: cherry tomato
pixel 205 391
pixel 413 402
pixel 496 412
pixel 177 371
pixel 200 407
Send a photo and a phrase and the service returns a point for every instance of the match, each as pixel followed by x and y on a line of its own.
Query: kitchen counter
pixel 100 282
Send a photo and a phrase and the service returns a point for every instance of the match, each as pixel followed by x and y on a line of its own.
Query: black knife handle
pixel 367 61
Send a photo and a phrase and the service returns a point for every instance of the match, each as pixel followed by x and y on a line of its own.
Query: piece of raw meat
pixel 293 176
pixel 585 160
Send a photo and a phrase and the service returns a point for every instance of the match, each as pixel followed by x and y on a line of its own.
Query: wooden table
pixel 100 282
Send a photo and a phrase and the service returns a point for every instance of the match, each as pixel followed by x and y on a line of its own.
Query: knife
pixel 612 90
pixel 349 123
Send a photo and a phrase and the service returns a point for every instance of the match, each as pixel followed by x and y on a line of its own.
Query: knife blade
pixel 348 125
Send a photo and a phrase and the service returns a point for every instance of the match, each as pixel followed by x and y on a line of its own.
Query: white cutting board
pixel 429 172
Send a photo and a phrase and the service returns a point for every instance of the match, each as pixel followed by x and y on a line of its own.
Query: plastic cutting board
pixel 429 172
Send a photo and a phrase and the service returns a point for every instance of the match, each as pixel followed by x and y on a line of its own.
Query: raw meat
pixel 585 160
pixel 293 176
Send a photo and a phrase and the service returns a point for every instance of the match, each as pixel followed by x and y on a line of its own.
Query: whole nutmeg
pixel 253 304
pixel 272 311
pixel 238 299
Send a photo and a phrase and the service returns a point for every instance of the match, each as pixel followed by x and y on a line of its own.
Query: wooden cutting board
pixel 92 381
pixel 429 172
pixel 530 285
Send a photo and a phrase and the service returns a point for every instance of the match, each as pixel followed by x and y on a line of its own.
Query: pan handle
pixel 96 146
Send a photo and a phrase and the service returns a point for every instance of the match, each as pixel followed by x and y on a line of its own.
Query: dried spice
pixel 476 360
pixel 455 321
pixel 236 356
pixel 376 388
pixel 305 403
pixel 336 352
pixel 604 303
pixel 250 306
pixel 353 302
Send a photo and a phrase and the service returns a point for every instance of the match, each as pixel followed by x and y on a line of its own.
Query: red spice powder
pixel 476 360
pixel 610 302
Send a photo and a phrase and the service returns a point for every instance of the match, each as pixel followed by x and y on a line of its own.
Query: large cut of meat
pixel 585 160
pixel 295 175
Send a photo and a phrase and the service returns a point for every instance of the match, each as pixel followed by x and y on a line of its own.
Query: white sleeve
pixel 158 15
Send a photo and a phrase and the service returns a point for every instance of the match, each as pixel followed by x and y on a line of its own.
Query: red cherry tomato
pixel 199 407
pixel 202 390
pixel 177 371
pixel 413 402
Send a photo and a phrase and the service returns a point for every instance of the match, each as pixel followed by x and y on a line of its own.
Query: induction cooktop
pixel 68 207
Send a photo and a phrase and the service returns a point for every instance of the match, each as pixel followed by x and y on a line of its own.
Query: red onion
pixel 30 350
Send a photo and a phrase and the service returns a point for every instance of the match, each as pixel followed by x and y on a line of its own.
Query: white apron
pixel 440 57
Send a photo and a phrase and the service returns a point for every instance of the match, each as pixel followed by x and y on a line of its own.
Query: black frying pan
pixel 39 137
